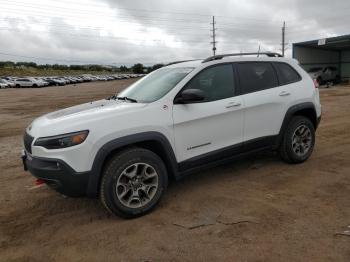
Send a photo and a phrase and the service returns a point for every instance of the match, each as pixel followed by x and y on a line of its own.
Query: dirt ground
pixel 257 209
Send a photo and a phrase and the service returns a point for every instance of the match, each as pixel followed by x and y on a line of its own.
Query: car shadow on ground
pixel 46 207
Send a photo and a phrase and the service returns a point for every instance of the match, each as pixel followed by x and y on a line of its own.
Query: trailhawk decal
pixel 194 147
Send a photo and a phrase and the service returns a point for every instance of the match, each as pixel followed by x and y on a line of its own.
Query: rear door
pixel 266 98
pixel 214 124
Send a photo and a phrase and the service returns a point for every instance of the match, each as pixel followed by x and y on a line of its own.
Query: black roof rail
pixel 218 57
pixel 183 61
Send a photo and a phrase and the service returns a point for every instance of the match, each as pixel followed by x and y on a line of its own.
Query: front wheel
pixel 133 182
pixel 298 140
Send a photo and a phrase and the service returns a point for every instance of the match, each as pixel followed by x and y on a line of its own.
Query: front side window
pixel 286 74
pixel 256 76
pixel 155 85
pixel 216 82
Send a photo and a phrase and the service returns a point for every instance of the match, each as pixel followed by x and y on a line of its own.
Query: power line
pixel 160 26
pixel 99 29
pixel 122 18
pixel 95 13
pixel 116 20
pixel 110 38
pixel 69 12
pixel 177 12
pixel 154 11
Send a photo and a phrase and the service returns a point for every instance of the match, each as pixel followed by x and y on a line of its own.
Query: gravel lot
pixel 256 209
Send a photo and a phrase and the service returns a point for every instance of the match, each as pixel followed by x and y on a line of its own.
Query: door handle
pixel 284 93
pixel 233 104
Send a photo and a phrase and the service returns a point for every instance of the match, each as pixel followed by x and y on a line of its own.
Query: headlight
pixel 62 141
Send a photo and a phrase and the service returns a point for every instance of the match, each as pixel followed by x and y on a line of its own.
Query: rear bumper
pixel 57 174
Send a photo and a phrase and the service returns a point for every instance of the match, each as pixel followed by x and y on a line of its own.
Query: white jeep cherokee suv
pixel 176 120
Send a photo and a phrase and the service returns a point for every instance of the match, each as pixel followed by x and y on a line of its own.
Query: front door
pixel 213 124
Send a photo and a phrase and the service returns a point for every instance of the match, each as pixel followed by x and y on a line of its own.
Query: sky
pixel 154 31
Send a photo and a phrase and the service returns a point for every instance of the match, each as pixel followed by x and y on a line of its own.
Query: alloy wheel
pixel 301 140
pixel 137 185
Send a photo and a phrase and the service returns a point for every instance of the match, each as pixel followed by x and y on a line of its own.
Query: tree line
pixel 136 68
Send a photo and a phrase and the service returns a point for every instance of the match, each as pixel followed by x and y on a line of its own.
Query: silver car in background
pixel 324 75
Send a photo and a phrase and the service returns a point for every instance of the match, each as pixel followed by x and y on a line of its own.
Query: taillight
pixel 317 85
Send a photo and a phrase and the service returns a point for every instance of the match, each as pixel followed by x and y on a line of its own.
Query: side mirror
pixel 189 96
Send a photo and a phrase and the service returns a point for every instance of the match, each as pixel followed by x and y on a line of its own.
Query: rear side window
pixel 256 76
pixel 286 74
pixel 217 82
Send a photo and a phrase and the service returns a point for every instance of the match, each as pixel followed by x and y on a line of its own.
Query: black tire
pixel 115 168
pixel 319 80
pixel 18 86
pixel 35 85
pixel 286 150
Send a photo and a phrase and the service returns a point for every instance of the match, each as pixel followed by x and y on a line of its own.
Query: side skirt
pixel 225 155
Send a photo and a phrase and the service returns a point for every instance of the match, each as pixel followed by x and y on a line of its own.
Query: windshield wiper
pixel 122 98
pixel 126 98
pixel 111 97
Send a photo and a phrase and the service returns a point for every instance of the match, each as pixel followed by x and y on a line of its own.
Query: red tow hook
pixel 39 182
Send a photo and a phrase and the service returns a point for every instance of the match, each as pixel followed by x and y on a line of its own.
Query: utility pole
pixel 259 51
pixel 214 42
pixel 283 38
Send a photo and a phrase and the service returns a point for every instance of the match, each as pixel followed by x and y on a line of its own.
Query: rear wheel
pixel 298 140
pixel 35 86
pixel 133 182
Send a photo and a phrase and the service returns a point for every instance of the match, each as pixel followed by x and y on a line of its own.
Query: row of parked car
pixel 17 82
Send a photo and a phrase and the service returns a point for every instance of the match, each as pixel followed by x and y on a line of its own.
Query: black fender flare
pixel 293 110
pixel 115 144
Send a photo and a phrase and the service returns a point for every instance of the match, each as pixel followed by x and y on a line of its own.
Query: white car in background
pixel 41 80
pixel 3 84
pixel 8 83
pixel 29 82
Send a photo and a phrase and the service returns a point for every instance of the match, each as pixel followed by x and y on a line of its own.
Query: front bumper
pixel 318 121
pixel 57 174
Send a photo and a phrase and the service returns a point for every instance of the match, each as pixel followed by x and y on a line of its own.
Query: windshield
pixel 316 69
pixel 155 85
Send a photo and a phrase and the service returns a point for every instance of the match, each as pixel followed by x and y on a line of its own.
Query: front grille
pixel 27 140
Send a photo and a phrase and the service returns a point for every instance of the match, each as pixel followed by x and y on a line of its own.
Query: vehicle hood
pixel 80 116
